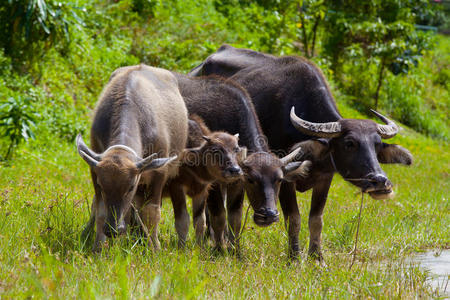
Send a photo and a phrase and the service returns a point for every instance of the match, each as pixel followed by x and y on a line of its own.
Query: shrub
pixel 17 118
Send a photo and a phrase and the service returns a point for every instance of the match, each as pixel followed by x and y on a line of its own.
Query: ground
pixel 45 199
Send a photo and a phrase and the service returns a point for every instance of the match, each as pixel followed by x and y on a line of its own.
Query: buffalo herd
pixel 242 122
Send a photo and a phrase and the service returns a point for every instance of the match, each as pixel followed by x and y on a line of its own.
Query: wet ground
pixel 437 264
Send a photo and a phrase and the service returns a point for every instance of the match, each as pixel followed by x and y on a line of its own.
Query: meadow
pixel 46 191
pixel 45 202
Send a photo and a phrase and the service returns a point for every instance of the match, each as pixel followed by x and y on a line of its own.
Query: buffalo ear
pixel 296 170
pixel 313 150
pixel 149 163
pixel 394 154
pixel 191 156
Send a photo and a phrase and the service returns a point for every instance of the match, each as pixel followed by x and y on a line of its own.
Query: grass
pixel 45 198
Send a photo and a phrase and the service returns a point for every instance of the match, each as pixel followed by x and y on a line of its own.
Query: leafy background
pixel 56 56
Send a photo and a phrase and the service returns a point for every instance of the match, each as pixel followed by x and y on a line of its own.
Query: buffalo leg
pixel 318 200
pixel 199 216
pixel 217 215
pixel 151 211
pixel 100 217
pixel 234 208
pixel 178 198
pixel 291 214
pixel 100 211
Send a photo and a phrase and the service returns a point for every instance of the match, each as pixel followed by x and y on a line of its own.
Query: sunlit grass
pixel 45 199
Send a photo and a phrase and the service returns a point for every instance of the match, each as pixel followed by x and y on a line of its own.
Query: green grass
pixel 45 198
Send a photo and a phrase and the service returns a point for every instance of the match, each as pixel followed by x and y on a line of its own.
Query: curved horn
pixel 324 130
pixel 291 156
pixel 85 152
pixel 386 131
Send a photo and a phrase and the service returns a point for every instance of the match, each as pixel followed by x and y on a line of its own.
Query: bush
pixel 17 119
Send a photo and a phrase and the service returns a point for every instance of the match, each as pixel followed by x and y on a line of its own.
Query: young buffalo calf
pixel 209 157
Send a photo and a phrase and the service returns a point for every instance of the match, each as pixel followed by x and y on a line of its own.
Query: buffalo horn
pixel 323 130
pixel 386 131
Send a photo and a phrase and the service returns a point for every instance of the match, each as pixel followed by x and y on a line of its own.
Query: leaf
pixel 42 9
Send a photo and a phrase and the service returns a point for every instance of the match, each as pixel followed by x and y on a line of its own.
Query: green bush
pixel 71 48
pixel 17 119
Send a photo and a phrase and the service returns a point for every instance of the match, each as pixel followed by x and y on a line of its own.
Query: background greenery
pixel 55 57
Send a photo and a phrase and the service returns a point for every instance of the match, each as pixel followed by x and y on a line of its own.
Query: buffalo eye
pixel 236 149
pixel 350 145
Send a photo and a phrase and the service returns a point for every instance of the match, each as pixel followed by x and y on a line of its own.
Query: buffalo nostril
pixel 272 212
pixel 235 170
pixel 379 178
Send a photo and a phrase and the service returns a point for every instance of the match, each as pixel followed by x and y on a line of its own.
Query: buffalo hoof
pixel 314 253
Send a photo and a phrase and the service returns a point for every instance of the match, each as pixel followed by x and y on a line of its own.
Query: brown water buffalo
pixel 224 105
pixel 139 128
pixel 209 157
pixel 294 105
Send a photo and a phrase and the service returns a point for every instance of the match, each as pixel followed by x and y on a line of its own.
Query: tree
pixel 311 13
pixel 376 32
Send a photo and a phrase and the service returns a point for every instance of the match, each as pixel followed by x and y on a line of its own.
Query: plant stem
pixel 8 153
pixel 316 25
pixel 357 232
pixel 380 81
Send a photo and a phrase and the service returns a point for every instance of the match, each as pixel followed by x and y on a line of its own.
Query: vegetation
pixel 56 57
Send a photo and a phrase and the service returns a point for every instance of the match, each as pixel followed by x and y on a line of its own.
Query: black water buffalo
pixel 140 116
pixel 224 105
pixel 287 91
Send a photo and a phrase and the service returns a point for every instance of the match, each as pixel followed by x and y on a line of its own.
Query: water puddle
pixel 437 264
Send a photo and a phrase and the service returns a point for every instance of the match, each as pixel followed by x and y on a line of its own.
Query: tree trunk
pixel 380 82
pixel 316 25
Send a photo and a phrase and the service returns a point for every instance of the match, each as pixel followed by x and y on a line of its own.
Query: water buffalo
pixel 209 157
pixel 294 105
pixel 224 105
pixel 140 116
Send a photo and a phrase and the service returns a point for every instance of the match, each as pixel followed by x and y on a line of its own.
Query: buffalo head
pixel 117 172
pixel 355 149
pixel 264 173
pixel 219 153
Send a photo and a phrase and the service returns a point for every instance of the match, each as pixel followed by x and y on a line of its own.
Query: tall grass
pixel 46 194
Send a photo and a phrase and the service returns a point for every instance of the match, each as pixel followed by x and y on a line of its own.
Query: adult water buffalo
pixel 140 116
pixel 294 105
pixel 224 105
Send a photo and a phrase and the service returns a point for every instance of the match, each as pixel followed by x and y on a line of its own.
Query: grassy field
pixel 45 199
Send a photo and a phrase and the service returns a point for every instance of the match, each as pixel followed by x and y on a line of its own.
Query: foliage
pixel 45 190
pixel 30 27
pixel 17 118
pixel 374 32
pixel 311 14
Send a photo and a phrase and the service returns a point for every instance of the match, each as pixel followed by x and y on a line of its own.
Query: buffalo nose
pixel 271 213
pixel 234 170
pixel 266 216
pixel 381 181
